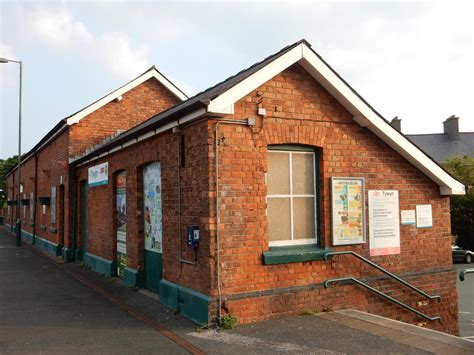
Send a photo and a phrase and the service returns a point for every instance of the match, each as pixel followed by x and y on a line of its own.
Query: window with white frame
pixel 291 196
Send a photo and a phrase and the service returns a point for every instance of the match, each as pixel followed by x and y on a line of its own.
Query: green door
pixel 84 216
pixel 153 227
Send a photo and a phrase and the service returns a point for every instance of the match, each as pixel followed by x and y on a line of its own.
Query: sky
pixel 413 60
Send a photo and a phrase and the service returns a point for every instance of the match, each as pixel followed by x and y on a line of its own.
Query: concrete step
pixel 403 333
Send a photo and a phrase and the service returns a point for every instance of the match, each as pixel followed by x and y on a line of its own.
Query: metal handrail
pixel 384 271
pixel 464 272
pixel 327 282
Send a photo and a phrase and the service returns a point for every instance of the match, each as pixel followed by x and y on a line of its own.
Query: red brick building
pixel 230 201
pixel 47 191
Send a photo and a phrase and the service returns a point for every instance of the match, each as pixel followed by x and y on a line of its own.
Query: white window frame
pixel 291 196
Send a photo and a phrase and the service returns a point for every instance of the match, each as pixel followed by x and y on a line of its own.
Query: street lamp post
pixel 18 221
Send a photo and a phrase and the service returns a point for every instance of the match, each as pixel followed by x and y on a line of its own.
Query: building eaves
pixel 199 100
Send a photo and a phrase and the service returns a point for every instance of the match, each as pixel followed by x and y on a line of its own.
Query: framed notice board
pixel 348 210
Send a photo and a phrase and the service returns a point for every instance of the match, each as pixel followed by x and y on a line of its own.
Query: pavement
pixel 47 306
pixel 466 302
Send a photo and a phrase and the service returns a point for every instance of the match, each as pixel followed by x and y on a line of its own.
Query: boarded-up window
pixel 291 197
pixel 53 204
pixel 32 207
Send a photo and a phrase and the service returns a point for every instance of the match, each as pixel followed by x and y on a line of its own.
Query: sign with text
pixel 98 175
pixel 384 222
pixel 408 217
pixel 348 210
pixel 424 216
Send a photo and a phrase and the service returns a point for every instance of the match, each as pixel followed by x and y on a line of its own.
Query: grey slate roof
pixel 440 147
pixel 201 100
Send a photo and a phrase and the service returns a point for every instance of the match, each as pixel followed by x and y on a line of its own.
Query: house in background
pixel 443 146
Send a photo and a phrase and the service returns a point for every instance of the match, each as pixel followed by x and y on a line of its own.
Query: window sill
pixel 294 254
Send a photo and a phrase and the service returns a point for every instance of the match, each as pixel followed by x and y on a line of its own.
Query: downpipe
pixel 249 122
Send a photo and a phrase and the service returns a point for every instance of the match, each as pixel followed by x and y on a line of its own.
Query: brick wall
pixel 300 111
pixel 194 207
pixel 52 169
pixel 137 105
pixel 140 103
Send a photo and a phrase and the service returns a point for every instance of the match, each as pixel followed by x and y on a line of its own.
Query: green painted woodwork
pixel 294 254
pixel 100 265
pixel 79 255
pixel 27 237
pixel 132 277
pixel 169 294
pixel 47 246
pixel 191 304
pixel 68 255
pixel 153 270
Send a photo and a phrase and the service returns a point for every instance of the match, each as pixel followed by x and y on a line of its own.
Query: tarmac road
pixel 42 309
pixel 466 302
pixel 50 307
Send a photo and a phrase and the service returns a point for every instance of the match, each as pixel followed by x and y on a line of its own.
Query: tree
pixel 462 207
pixel 5 166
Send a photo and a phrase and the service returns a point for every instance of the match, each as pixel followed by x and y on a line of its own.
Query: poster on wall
pixel 153 228
pixel 408 217
pixel 121 205
pixel 98 175
pixel 348 210
pixel 384 222
pixel 424 216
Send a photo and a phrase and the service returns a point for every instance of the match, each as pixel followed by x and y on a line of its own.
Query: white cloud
pixel 60 31
pixel 8 75
pixel 115 52
pixel 419 69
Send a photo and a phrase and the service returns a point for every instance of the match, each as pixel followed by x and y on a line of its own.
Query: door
pixel 121 222
pixel 61 215
pixel 153 227
pixel 84 216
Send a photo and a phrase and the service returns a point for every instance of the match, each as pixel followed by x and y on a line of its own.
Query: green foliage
pixel 462 207
pixel 5 166
pixel 227 322
pixel 463 169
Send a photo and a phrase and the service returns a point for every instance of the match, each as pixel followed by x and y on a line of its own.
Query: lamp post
pixel 18 221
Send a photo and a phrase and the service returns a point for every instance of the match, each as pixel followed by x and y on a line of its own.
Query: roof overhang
pixel 361 111
pixel 152 73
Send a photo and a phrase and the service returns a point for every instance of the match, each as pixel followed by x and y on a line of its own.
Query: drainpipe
pixel 180 255
pixel 250 122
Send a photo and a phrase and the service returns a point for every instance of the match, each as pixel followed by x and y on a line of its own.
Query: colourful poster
pixel 121 206
pixel 98 175
pixel 153 228
pixel 348 211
